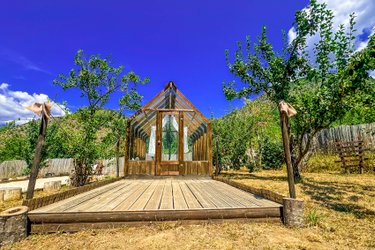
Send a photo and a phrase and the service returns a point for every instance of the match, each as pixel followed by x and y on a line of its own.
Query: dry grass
pixel 39 193
pixel 339 215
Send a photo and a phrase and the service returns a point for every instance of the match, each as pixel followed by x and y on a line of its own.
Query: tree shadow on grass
pixel 255 177
pixel 331 195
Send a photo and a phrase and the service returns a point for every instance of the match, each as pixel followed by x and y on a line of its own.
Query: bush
pixel 272 154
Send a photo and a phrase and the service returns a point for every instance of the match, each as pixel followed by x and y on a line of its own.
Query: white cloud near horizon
pixel 365 19
pixel 13 103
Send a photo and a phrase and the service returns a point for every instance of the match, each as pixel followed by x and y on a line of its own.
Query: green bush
pixel 272 154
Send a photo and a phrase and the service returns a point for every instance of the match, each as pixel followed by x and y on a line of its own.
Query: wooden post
pixel 360 155
pixel 117 157
pixel 217 169
pixel 37 155
pixel 288 160
pixel 127 145
pixel 209 148
pixel 158 149
pixel 181 138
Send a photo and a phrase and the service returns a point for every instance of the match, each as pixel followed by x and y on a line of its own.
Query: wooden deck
pixel 162 199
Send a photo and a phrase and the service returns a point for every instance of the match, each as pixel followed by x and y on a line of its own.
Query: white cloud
pixel 365 18
pixel 13 103
pixel 292 34
pixel 362 45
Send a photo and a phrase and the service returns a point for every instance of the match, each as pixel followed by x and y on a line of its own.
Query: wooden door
pixel 168 143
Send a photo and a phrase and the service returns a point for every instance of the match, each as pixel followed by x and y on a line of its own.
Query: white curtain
pixel 151 145
pixel 186 148
pixel 174 121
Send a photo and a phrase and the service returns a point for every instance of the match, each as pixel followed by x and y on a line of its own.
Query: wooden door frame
pixel 159 134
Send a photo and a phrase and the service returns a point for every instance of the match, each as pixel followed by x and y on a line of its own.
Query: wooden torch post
pixel 44 112
pixel 285 111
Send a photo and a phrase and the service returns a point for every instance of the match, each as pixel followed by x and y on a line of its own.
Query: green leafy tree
pixel 96 80
pixel 15 144
pixel 241 134
pixel 322 82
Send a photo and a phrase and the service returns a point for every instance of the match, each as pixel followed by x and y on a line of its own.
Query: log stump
pixel 52 186
pixel 293 212
pixel 13 225
pixel 10 193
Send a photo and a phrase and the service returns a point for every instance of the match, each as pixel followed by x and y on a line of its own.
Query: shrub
pixel 272 154
pixel 314 218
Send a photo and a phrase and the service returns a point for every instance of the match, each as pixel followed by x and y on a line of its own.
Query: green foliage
pixel 272 154
pixel 96 80
pixel 314 218
pixel 322 86
pixel 19 142
pixel 240 133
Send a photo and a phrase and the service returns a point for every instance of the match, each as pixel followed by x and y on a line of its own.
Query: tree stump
pixel 293 212
pixel 13 225
pixel 52 186
pixel 10 193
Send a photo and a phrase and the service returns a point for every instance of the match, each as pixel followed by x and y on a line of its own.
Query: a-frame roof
pixel 169 99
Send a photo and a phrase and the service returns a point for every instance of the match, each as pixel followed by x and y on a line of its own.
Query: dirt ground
pixel 339 214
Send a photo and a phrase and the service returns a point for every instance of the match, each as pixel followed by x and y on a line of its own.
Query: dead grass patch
pixel 344 205
pixel 38 193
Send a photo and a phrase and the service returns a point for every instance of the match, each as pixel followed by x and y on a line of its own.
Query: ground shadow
pixel 330 195
pixel 254 177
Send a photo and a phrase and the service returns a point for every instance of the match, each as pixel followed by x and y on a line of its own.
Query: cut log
pixel 13 225
pixel 52 186
pixel 10 194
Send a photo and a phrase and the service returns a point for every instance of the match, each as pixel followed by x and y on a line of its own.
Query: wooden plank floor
pixel 173 193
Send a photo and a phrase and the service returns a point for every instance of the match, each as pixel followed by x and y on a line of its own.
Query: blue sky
pixel 183 41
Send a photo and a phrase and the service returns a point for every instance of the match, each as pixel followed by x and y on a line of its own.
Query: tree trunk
pixel 81 173
pixel 37 156
pixel 117 157
pixel 295 164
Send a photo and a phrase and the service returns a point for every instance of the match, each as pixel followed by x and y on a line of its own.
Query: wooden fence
pixel 325 139
pixel 9 169
pixel 55 167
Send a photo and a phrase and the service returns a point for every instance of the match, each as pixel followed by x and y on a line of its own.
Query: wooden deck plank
pixel 190 199
pixel 78 199
pixel 256 200
pixel 96 201
pixel 107 203
pixel 158 215
pixel 178 198
pixel 158 194
pixel 155 199
pixel 145 197
pixel 232 195
pixel 167 197
pixel 119 199
pixel 130 200
pixel 202 187
pixel 205 203
pixel 221 199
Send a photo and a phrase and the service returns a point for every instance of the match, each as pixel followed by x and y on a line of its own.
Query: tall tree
pixel 97 80
pixel 319 80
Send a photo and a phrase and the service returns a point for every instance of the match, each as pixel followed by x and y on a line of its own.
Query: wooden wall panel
pixel 186 168
pixel 141 167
